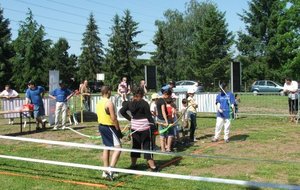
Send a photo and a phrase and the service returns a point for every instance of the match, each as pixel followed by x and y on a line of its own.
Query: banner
pixel 53 84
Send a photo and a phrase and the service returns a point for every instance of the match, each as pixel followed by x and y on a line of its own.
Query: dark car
pixel 266 86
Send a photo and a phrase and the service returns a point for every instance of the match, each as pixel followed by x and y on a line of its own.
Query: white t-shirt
pixel 10 93
pixel 153 107
pixel 185 117
pixel 292 88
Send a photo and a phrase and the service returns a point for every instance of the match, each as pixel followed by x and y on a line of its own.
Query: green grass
pixel 260 139
pixel 263 104
pixel 253 138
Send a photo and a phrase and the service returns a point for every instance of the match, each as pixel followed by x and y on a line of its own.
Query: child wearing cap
pixel 192 112
pixel 153 110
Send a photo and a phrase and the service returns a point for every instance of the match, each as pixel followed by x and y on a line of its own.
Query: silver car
pixel 266 86
pixel 184 85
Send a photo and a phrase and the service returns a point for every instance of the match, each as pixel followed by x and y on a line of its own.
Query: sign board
pixel 150 77
pixel 53 84
pixel 100 76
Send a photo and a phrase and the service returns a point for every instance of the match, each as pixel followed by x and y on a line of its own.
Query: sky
pixel 68 18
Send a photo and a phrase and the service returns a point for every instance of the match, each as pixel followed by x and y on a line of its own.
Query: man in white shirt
pixel 291 89
pixel 9 93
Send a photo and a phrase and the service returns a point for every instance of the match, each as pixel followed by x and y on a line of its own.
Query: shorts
pixel 38 111
pixel 169 133
pixel 109 135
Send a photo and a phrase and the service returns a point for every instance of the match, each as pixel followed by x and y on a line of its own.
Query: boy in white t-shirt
pixel 9 93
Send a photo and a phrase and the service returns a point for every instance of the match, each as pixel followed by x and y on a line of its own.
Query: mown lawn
pixel 263 149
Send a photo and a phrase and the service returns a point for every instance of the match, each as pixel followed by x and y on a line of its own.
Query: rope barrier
pixel 158 174
pixel 99 147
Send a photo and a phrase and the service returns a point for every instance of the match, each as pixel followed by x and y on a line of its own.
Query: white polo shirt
pixel 292 88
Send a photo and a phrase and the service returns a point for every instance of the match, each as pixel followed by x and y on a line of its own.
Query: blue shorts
pixel 170 132
pixel 38 111
pixel 109 137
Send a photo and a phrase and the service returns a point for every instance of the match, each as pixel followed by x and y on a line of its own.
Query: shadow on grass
pixel 205 136
pixel 239 137
pixel 48 129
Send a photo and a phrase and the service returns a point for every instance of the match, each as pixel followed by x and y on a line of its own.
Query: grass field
pixel 263 149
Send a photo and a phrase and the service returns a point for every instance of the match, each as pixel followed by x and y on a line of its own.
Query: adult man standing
pixel 61 95
pixel 291 88
pixel 35 95
pixel 9 93
pixel 225 105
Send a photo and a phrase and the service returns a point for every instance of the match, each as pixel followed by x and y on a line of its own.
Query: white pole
pixel 156 174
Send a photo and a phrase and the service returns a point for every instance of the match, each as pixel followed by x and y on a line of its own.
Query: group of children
pixel 182 121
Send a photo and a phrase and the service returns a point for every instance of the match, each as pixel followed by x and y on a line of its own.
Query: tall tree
pixel 160 56
pixel 91 59
pixel 114 53
pixel 210 55
pixel 169 40
pixel 289 39
pixel 258 52
pixel 194 44
pixel 31 50
pixel 59 59
pixel 130 48
pixel 6 50
pixel 123 51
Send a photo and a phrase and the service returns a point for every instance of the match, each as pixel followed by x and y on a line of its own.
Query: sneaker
pixel 104 174
pixel 110 175
pixel 214 140
pixel 63 128
pixel 227 141
pixel 156 169
pixel 195 140
pixel 54 129
pixel 44 120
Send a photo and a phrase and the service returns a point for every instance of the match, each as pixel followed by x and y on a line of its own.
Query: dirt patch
pixel 227 170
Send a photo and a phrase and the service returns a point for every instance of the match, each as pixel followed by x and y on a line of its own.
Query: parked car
pixel 184 85
pixel 266 86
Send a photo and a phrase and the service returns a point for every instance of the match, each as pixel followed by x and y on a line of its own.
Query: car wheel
pixel 255 92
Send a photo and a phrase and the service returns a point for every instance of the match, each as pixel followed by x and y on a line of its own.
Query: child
pixel 153 107
pixel 192 106
pixel 153 110
pixel 124 89
pixel 168 136
pixel 185 118
pixel 236 105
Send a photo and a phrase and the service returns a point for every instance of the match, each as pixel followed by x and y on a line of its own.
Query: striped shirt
pixel 140 124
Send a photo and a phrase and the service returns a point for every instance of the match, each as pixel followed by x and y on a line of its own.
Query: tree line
pixel 195 44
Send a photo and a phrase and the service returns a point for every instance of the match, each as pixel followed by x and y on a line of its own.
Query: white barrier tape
pixel 79 145
pixel 156 174
pixel 99 147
